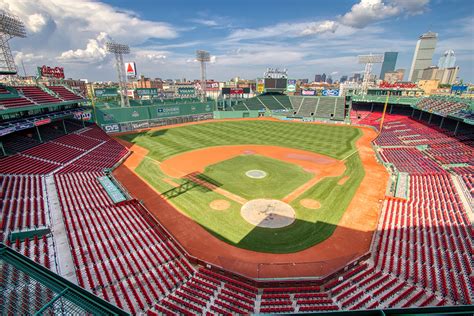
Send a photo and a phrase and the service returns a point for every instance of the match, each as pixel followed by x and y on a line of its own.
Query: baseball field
pixel 267 186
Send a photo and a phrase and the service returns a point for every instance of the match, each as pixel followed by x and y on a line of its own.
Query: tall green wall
pixel 143 113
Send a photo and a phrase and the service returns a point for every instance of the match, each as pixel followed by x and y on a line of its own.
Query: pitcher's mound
pixel 310 203
pixel 256 174
pixel 219 205
pixel 268 213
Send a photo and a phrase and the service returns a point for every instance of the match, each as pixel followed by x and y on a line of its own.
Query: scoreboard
pixel 275 83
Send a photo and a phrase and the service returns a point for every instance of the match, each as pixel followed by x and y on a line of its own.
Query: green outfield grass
pixel 330 140
pixel 282 178
pixel 310 227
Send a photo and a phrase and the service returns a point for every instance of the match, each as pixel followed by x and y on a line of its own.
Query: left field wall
pixel 114 120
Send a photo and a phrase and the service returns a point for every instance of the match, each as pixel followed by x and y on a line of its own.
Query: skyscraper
pixel 423 56
pixel 447 60
pixel 389 62
pixel 323 77
pixel 317 78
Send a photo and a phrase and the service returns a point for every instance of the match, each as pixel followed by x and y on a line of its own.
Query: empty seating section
pixel 34 95
pixel 53 152
pixel 15 102
pixel 117 253
pixel 22 203
pixel 253 104
pixel 64 93
pixel 37 95
pixel 327 108
pixel 19 164
pixel 23 208
pixel 272 103
pixel 104 156
pixel 308 107
pixel 410 160
pixel 428 240
pixel 16 142
pixel 284 100
pixel 296 102
pixel 443 104
pixel 89 149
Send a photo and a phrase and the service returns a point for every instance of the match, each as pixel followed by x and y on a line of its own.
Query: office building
pixel 394 76
pixel 445 75
pixel 448 60
pixel 423 56
pixel 389 62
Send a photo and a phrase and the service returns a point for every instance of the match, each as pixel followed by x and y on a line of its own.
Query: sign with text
pixel 52 72
pixel 186 91
pixel 331 92
pixel 131 69
pixel 291 85
pixel 106 92
pixel 151 92
pixel 308 92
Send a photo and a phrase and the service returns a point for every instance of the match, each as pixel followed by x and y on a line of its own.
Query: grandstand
pixel 322 108
pixel 421 254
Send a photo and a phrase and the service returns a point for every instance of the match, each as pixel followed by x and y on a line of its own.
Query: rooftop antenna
pixel 368 60
pixel 119 50
pixel 203 57
pixel 10 26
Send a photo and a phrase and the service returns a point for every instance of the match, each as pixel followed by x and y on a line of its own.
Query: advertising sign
pixel 140 125
pixel 53 72
pixel 167 111
pixel 260 85
pixel 186 91
pixel 6 131
pixel 111 128
pixel 106 92
pixel 308 92
pixel 459 89
pixel 291 85
pixel 83 115
pixel 42 122
pixel 152 92
pixel 131 69
pixel 331 92
pixel 236 91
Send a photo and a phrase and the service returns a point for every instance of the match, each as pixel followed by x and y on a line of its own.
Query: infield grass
pixel 281 179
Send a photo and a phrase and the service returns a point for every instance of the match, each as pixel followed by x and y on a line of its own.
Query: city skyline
pixel 164 37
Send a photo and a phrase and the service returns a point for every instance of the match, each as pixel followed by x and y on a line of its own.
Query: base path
pixel 350 240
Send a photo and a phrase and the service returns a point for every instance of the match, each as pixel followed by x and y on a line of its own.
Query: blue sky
pixel 244 37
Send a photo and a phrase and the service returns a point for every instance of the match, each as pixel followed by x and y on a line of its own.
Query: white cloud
pixel 83 19
pixel 285 30
pixel 26 58
pixel 320 27
pixel 206 22
pixel 95 51
pixel 36 22
pixel 369 11
pixel 153 56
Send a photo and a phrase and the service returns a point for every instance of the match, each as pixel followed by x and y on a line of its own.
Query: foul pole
pixel 384 110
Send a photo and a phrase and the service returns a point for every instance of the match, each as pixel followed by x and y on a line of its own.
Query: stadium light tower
pixel 368 60
pixel 203 57
pixel 119 50
pixel 10 26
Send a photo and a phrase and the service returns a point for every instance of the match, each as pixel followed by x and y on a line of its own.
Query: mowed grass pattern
pixel 330 140
pixel 281 179
pixel 310 227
